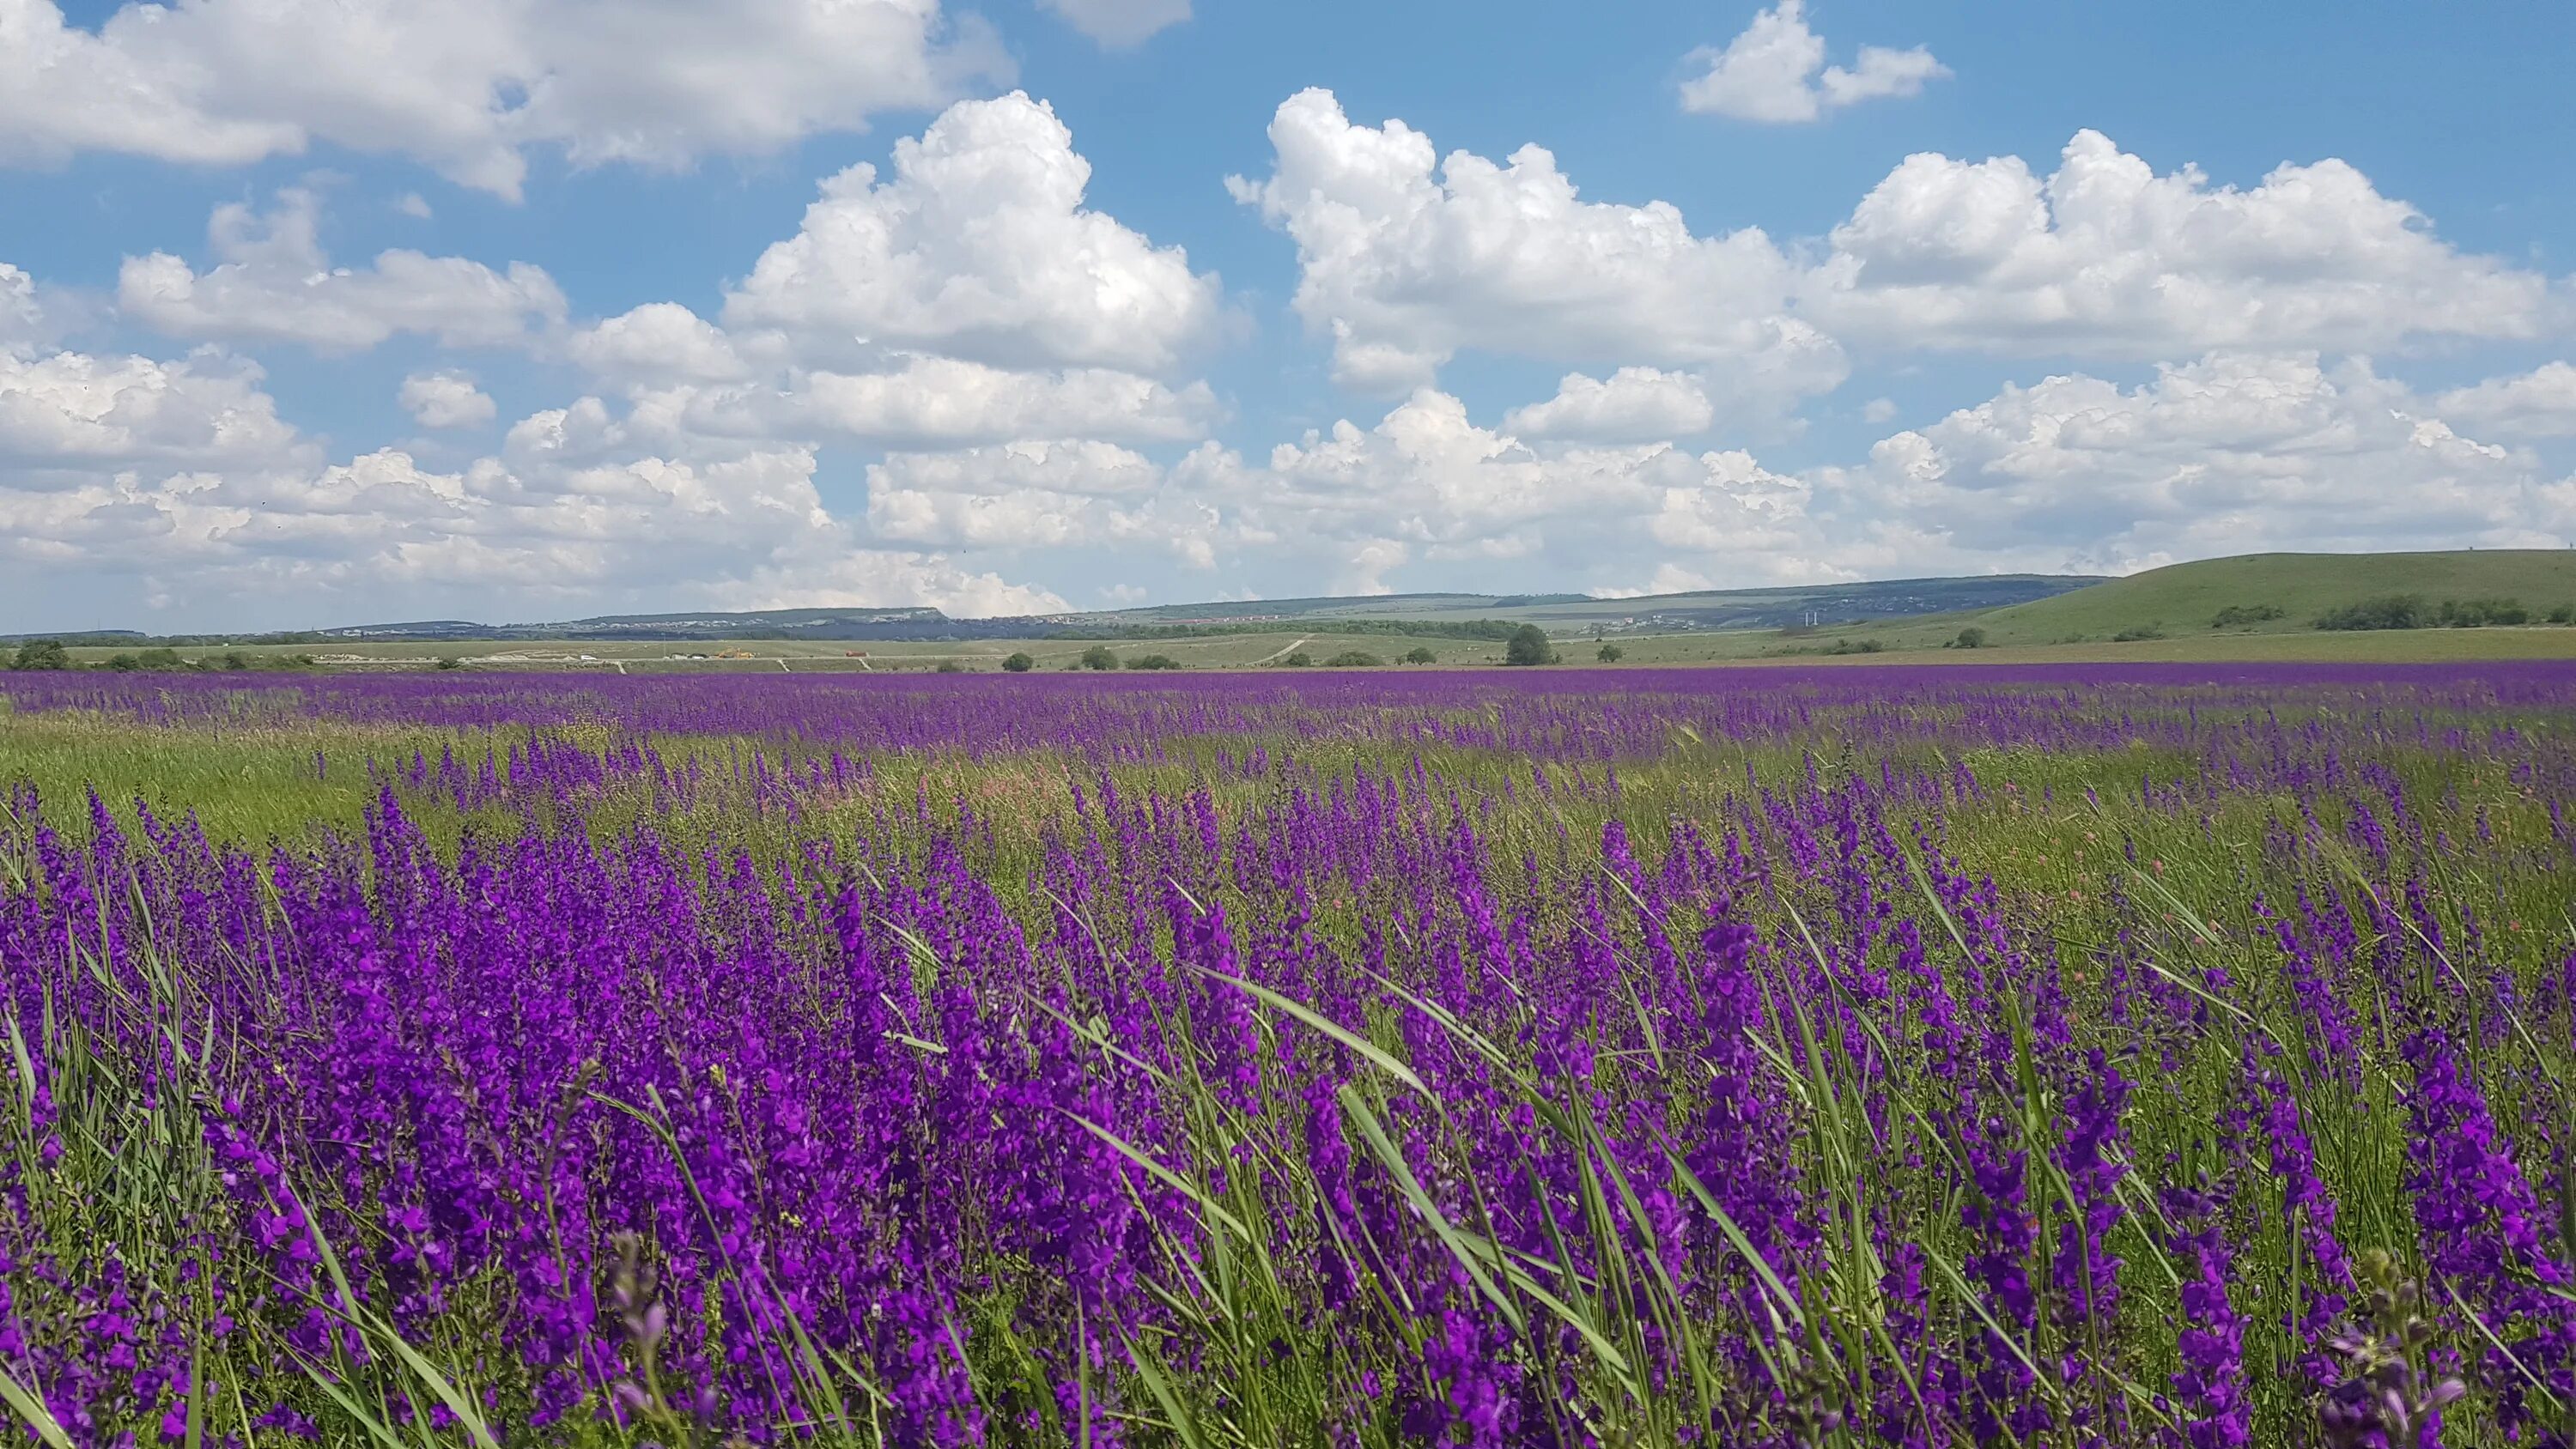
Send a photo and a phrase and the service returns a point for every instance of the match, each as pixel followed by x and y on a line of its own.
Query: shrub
pixel 1354 659
pixel 42 654
pixel 2137 633
pixel 1296 659
pixel 124 663
pixel 951 666
pixel 1019 663
pixel 2563 614
pixel 1420 655
pixel 1099 656
pixel 2240 616
pixel 1529 646
pixel 445 661
pixel 164 658
pixel 234 661
pixel 1153 661
pixel 2478 613
pixel 2396 611
pixel 1609 653
pixel 1970 638
pixel 1855 646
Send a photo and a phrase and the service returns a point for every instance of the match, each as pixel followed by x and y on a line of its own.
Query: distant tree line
pixel 53 654
pixel 2413 611
pixel 1497 630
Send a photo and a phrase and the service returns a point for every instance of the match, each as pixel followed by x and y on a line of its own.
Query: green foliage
pixel 1099 656
pixel 2240 616
pixel 42 654
pixel 1153 661
pixel 1354 659
pixel 2478 613
pixel 445 661
pixel 1971 637
pixel 1609 653
pixel 1019 662
pixel 2137 633
pixel 1528 645
pixel 1420 655
pixel 2563 614
pixel 1296 659
pixel 1492 629
pixel 950 666
pixel 2412 611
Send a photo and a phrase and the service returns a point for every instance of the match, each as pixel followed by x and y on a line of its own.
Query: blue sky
pixel 317 312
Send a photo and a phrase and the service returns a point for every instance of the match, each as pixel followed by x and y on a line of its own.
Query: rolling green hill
pixel 2183 599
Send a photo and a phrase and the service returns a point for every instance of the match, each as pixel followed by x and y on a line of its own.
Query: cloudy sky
pixel 319 311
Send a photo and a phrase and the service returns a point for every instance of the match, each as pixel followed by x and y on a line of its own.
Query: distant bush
pixel 1019 663
pixel 2563 614
pixel 2478 613
pixel 1609 653
pixel 445 661
pixel 2396 611
pixel 42 654
pixel 1153 661
pixel 1099 656
pixel 2239 616
pixel 164 658
pixel 1855 646
pixel 1354 659
pixel 1529 646
pixel 1296 659
pixel 234 661
pixel 2410 611
pixel 1420 655
pixel 2137 633
pixel 950 666
pixel 1969 638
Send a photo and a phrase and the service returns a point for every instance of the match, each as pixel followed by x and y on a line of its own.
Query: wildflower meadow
pixel 1834 1056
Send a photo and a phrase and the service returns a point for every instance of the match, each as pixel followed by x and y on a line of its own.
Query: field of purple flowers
pixel 1936 1056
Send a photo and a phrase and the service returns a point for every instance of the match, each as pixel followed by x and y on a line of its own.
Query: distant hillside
pixel 2186 598
pixel 1774 608
pixel 1450 615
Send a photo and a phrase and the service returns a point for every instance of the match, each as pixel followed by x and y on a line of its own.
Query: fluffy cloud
pixel 1117 23
pixel 2106 258
pixel 180 479
pixel 659 342
pixel 977 247
pixel 1427 483
pixel 1769 73
pixel 1036 495
pixel 445 400
pixel 1406 260
pixel 936 401
pixel 2232 454
pixel 2536 404
pixel 72 409
pixel 467 86
pixel 273 283
pixel 1635 405
pixel 22 321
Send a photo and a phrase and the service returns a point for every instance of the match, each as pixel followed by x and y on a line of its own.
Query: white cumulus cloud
pixel 1633 405
pixel 2540 403
pixel 1770 72
pixel 2105 257
pixel 271 282
pixel 1405 260
pixel 1119 23
pixel 470 86
pixel 445 400
pixel 977 247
